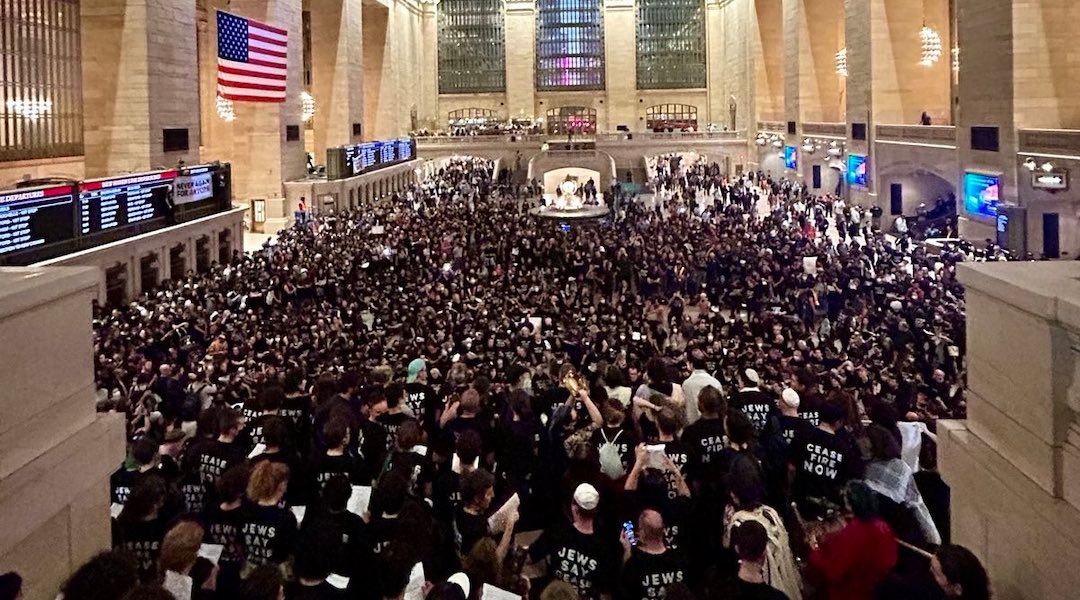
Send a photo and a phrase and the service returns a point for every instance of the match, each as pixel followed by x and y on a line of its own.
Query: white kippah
pixel 790 397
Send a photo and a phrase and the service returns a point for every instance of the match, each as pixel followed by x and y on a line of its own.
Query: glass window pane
pixel 472 47
pixel 670 44
pixel 41 104
pixel 569 45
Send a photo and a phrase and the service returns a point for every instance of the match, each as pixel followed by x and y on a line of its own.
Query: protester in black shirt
pixel 336 460
pixel 269 531
pixel 215 457
pixel 706 438
pixel 471 520
pixel 750 541
pixel 753 401
pixel 395 414
pixel 224 526
pixel 141 525
pixel 650 567
pixel 575 552
pixel 821 461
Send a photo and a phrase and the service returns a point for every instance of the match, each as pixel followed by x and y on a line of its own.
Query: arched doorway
pixel 671 117
pixel 571 119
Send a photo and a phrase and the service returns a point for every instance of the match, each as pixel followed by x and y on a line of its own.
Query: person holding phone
pixel 650 567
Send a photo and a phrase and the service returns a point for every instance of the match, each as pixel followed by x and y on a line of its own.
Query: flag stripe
pixel 252 60
pixel 238 74
pixel 240 94
pixel 273 41
pixel 269 29
pixel 253 69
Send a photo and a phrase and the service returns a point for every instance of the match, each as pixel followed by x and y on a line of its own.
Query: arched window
pixel 472 47
pixel 40 60
pixel 671 117
pixel 571 119
pixel 569 45
pixel 670 44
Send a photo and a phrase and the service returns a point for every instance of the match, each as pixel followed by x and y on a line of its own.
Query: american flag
pixel 252 60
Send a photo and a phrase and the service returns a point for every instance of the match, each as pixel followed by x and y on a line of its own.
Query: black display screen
pixel 387 152
pixel 109 203
pixel 31 218
pixel 405 149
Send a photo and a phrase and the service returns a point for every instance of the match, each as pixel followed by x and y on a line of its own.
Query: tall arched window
pixel 674 117
pixel 472 47
pixel 571 119
pixel 670 44
pixel 570 45
pixel 41 66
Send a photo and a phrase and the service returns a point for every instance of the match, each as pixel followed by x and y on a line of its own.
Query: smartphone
pixel 628 529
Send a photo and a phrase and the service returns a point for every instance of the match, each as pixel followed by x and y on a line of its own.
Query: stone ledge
pixel 26 288
pixel 34 493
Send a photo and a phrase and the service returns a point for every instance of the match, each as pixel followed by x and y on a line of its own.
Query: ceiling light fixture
pixel 31 110
pixel 225 110
pixel 841 62
pixel 931 46
pixel 307 103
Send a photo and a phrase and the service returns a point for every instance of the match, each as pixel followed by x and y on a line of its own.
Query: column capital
pixel 520 6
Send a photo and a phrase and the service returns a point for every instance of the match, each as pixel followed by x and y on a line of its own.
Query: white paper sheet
pixel 257 450
pixel 337 581
pixel 299 512
pixel 359 500
pixel 211 552
pixel 490 592
pixel 497 521
pixel 414 590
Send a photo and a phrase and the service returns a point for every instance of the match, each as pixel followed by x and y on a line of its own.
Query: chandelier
pixel 30 110
pixel 931 46
pixel 225 109
pixel 841 62
pixel 307 103
pixel 956 59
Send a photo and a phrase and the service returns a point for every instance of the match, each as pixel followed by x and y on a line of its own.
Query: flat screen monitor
pixel 982 192
pixel 856 169
pixel 791 157
pixel 36 217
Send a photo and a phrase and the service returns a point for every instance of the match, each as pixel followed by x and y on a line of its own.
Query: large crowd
pixel 729 393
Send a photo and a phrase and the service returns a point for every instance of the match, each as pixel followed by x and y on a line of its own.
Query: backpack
pixel 610 460
pixel 780 570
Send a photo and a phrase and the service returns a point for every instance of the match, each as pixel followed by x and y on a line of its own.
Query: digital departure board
pixel 35 217
pixel 405 149
pixel 108 203
pixel 349 161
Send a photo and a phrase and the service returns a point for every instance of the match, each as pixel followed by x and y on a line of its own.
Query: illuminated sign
pixel 857 169
pixel 791 157
pixel 982 193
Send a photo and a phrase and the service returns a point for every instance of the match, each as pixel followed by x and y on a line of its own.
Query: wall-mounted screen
pixel 791 157
pixel 30 218
pixel 856 169
pixel 982 192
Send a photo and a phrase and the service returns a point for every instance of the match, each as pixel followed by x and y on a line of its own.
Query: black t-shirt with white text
pixel 647 576
pixel 583 560
pixel 823 462
pixel 704 439
pixel 269 534
pixel 757 405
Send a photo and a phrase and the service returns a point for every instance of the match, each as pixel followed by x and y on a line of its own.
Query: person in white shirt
pixel 697 381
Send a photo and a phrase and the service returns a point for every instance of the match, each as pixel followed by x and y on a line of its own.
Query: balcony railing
pixel 824 128
pixel 1058 141
pixel 943 135
pixel 452 140
pixel 771 126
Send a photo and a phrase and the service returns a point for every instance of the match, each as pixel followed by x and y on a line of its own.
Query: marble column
pixel 337 73
pixel 139 71
pixel 521 65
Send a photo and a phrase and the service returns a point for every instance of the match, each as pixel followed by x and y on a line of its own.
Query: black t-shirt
pixel 704 440
pixel 391 422
pixel 321 467
pixel 226 528
pixel 679 454
pixel 583 560
pixel 142 539
pixel 370 449
pixel 269 534
pixel 823 462
pixel 215 457
pixel 416 468
pixel 468 529
pixel 757 405
pixel 324 591
pixel 445 494
pixel 423 402
pixel 790 427
pixel 342 535
pixel 647 576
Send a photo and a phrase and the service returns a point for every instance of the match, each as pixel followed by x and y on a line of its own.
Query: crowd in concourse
pixel 730 391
